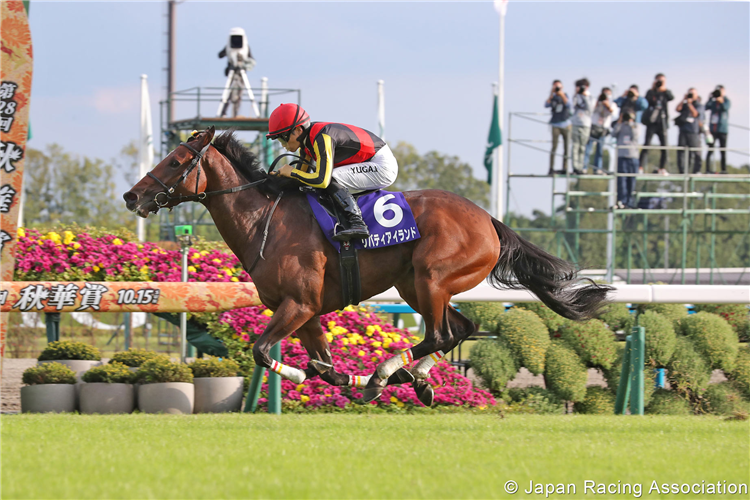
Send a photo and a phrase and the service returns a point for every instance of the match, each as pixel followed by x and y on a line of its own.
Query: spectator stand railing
pixel 648 227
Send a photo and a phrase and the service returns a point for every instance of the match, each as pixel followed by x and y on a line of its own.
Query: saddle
pixel 351 289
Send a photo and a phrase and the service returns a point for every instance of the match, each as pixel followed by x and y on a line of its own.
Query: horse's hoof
pixel 402 376
pixel 373 390
pixel 425 393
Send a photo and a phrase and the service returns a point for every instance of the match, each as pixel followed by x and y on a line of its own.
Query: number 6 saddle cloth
pixel 387 215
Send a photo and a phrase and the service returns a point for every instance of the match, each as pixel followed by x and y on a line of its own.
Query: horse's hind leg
pixel 321 362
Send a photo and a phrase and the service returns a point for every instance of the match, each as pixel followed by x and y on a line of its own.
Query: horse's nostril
pixel 130 197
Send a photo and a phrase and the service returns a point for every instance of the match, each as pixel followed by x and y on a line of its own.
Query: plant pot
pixel 218 394
pixel 168 397
pixel 77 365
pixel 100 397
pixel 48 398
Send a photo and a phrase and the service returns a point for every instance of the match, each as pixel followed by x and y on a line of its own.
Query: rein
pixel 167 193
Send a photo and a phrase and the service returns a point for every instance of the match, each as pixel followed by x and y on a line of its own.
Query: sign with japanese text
pixel 15 91
pixel 125 296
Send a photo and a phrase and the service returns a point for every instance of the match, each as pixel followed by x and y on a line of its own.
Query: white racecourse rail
pixel 631 294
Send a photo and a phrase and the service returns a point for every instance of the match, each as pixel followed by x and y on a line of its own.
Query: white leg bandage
pixel 423 367
pixel 389 367
pixel 359 381
pixel 294 374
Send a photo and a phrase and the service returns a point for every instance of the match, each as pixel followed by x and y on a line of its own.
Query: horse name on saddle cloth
pixel 387 215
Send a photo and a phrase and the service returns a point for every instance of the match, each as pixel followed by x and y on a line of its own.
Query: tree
pixel 63 189
pixel 438 171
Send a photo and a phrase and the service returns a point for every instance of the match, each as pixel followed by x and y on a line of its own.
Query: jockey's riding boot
pixel 355 227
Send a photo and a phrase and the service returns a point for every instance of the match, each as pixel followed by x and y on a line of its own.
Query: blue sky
pixel 438 61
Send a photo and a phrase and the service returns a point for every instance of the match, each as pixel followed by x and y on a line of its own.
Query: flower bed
pixel 359 340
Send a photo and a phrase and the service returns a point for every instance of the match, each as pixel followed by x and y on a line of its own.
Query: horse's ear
pixel 210 131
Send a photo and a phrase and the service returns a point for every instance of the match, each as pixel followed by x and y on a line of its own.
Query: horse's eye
pixel 174 164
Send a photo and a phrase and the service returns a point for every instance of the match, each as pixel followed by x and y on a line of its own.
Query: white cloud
pixel 116 100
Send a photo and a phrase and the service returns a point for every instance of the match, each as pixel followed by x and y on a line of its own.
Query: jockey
pixel 348 160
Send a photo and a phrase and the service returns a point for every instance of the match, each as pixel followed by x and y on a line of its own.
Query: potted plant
pixel 78 356
pixel 134 358
pixel 50 387
pixel 108 389
pixel 166 387
pixel 218 389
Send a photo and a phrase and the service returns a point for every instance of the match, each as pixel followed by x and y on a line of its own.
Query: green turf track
pixel 360 456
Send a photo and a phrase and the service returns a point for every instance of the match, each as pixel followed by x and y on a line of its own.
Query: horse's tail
pixel 523 265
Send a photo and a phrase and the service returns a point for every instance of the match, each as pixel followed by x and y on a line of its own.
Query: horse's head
pixel 179 174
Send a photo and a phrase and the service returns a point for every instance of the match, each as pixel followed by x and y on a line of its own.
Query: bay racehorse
pixel 297 274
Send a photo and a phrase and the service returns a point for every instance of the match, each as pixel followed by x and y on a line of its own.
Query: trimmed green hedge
pixel 70 350
pixel 565 375
pixel 667 402
pixel 713 338
pixel 135 357
pixel 598 401
pixel 550 318
pixel 485 314
pixel 214 367
pixel 673 312
pixel 161 370
pixel 737 315
pixel 493 361
pixel 112 373
pixel 741 373
pixel 660 338
pixel 527 337
pixel 687 371
pixel 724 399
pixel 532 400
pixel 49 373
pixel 592 340
pixel 617 316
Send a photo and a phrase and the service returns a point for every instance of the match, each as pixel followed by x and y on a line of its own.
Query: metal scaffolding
pixel 637 245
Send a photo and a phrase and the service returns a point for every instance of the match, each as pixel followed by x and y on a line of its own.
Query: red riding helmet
pixel 285 118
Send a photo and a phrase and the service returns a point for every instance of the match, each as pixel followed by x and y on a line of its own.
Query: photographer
pixel 581 121
pixel 632 102
pixel 601 121
pixel 656 118
pixel 560 121
pixel 689 121
pixel 719 105
pixel 625 132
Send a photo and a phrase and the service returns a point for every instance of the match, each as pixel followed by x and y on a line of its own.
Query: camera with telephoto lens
pixel 238 50
pixel 690 96
pixel 603 97
pixel 716 93
pixel 557 88
pixel 631 94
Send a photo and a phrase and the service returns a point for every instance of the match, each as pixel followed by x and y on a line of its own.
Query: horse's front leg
pixel 288 317
pixel 321 361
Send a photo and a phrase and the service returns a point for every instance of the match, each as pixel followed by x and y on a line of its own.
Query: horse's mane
pixel 247 164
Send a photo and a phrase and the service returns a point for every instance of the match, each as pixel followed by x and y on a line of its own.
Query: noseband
pixel 166 195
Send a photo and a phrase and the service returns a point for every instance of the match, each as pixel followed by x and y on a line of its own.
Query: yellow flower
pixel 234 278
pixel 265 378
pixel 143 269
pixel 331 324
pixel 360 353
pixel 196 255
pixel 117 241
pixel 304 398
pixel 218 261
pixel 329 337
pixel 299 387
pixel 349 309
pixel 376 344
pixel 394 399
pixel 378 352
pixel 96 269
pixel 21 233
pixel 191 269
pixel 267 312
pixel 345 341
pixel 204 253
pixel 140 247
pixel 400 404
pixel 53 236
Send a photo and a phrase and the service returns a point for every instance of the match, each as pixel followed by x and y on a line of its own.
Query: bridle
pixel 167 195
pixel 195 162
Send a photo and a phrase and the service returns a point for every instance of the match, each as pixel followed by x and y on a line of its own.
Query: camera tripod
pixel 236 82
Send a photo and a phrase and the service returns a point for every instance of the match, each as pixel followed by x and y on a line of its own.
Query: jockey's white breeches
pixel 378 172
